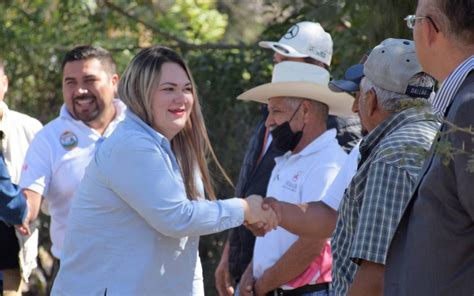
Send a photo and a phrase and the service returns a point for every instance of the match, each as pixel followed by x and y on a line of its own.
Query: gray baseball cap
pixel 392 64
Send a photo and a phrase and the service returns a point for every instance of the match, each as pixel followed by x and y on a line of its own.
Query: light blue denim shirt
pixel 131 228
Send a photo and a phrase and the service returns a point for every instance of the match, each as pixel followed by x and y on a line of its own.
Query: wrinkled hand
pixel 274 204
pixel 259 289
pixel 247 282
pixel 265 219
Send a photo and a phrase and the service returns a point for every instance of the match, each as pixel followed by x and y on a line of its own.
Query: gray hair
pixel 321 108
pixel 395 102
pixel 293 102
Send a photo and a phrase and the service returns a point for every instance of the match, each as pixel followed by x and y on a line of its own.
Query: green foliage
pixel 198 19
pixel 447 150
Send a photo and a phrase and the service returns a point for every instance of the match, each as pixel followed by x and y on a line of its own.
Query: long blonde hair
pixel 191 145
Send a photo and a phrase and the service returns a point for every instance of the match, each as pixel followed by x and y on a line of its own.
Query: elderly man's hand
pixel 257 218
pixel 247 281
pixel 274 204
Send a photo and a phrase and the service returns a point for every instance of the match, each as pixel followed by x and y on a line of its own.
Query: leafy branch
pixel 446 149
pixel 178 42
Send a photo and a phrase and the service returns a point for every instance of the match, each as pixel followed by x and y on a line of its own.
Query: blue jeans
pixel 237 287
pixel 318 293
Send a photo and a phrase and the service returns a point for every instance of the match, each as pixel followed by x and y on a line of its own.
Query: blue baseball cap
pixel 351 81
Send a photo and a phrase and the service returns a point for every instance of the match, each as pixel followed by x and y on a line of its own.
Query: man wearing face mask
pixel 299 102
pixel 305 42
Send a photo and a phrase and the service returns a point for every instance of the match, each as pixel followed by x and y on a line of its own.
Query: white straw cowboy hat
pixel 302 80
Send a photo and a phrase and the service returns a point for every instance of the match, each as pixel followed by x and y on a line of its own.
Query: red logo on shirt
pixel 296 177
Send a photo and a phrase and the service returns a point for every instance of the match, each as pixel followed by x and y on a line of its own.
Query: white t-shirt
pixel 19 130
pixel 55 164
pixel 335 193
pixel 298 178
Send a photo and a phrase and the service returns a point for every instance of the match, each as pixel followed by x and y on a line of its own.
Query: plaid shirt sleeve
pixel 387 191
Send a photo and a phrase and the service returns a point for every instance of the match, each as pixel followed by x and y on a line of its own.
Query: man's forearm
pixel 222 274
pixel 313 220
pixel 34 203
pixel 368 280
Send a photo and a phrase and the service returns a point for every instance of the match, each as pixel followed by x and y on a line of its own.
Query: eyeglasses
pixel 411 21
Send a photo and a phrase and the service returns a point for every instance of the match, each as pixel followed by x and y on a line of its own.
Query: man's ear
pixel 306 106
pixel 371 102
pixel 427 33
pixel 115 81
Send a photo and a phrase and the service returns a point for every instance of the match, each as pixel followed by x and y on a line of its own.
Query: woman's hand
pixel 261 217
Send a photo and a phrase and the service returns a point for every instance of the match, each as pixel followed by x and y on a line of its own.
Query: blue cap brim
pixel 354 73
pixel 351 81
pixel 343 86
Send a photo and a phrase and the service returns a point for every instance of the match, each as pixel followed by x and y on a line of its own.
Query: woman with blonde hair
pixel 136 218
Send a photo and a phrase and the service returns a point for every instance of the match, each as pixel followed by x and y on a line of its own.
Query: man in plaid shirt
pixel 394 108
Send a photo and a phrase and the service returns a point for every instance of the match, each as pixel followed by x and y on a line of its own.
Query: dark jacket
pixel 432 252
pixel 348 130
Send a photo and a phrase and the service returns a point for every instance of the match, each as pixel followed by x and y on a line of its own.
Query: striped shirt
pixel 451 85
pixel 391 158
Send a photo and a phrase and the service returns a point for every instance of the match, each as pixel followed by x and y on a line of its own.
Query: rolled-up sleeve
pixel 140 172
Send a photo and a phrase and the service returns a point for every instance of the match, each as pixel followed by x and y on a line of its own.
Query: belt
pixel 299 291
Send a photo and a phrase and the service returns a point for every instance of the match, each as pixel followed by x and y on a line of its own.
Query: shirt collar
pixel 451 84
pixel 391 124
pixel 162 140
pixel 315 146
pixel 120 109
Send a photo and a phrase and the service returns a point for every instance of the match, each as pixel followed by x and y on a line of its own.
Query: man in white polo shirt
pixel 305 42
pixel 299 102
pixel 59 154
pixel 17 131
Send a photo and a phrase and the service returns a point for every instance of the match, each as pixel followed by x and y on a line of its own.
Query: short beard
pixel 86 116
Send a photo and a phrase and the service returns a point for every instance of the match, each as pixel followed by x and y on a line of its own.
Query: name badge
pixel 68 140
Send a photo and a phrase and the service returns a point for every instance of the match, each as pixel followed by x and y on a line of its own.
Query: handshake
pixel 261 216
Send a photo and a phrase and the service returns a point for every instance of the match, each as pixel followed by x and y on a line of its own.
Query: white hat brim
pixel 340 104
pixel 276 46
